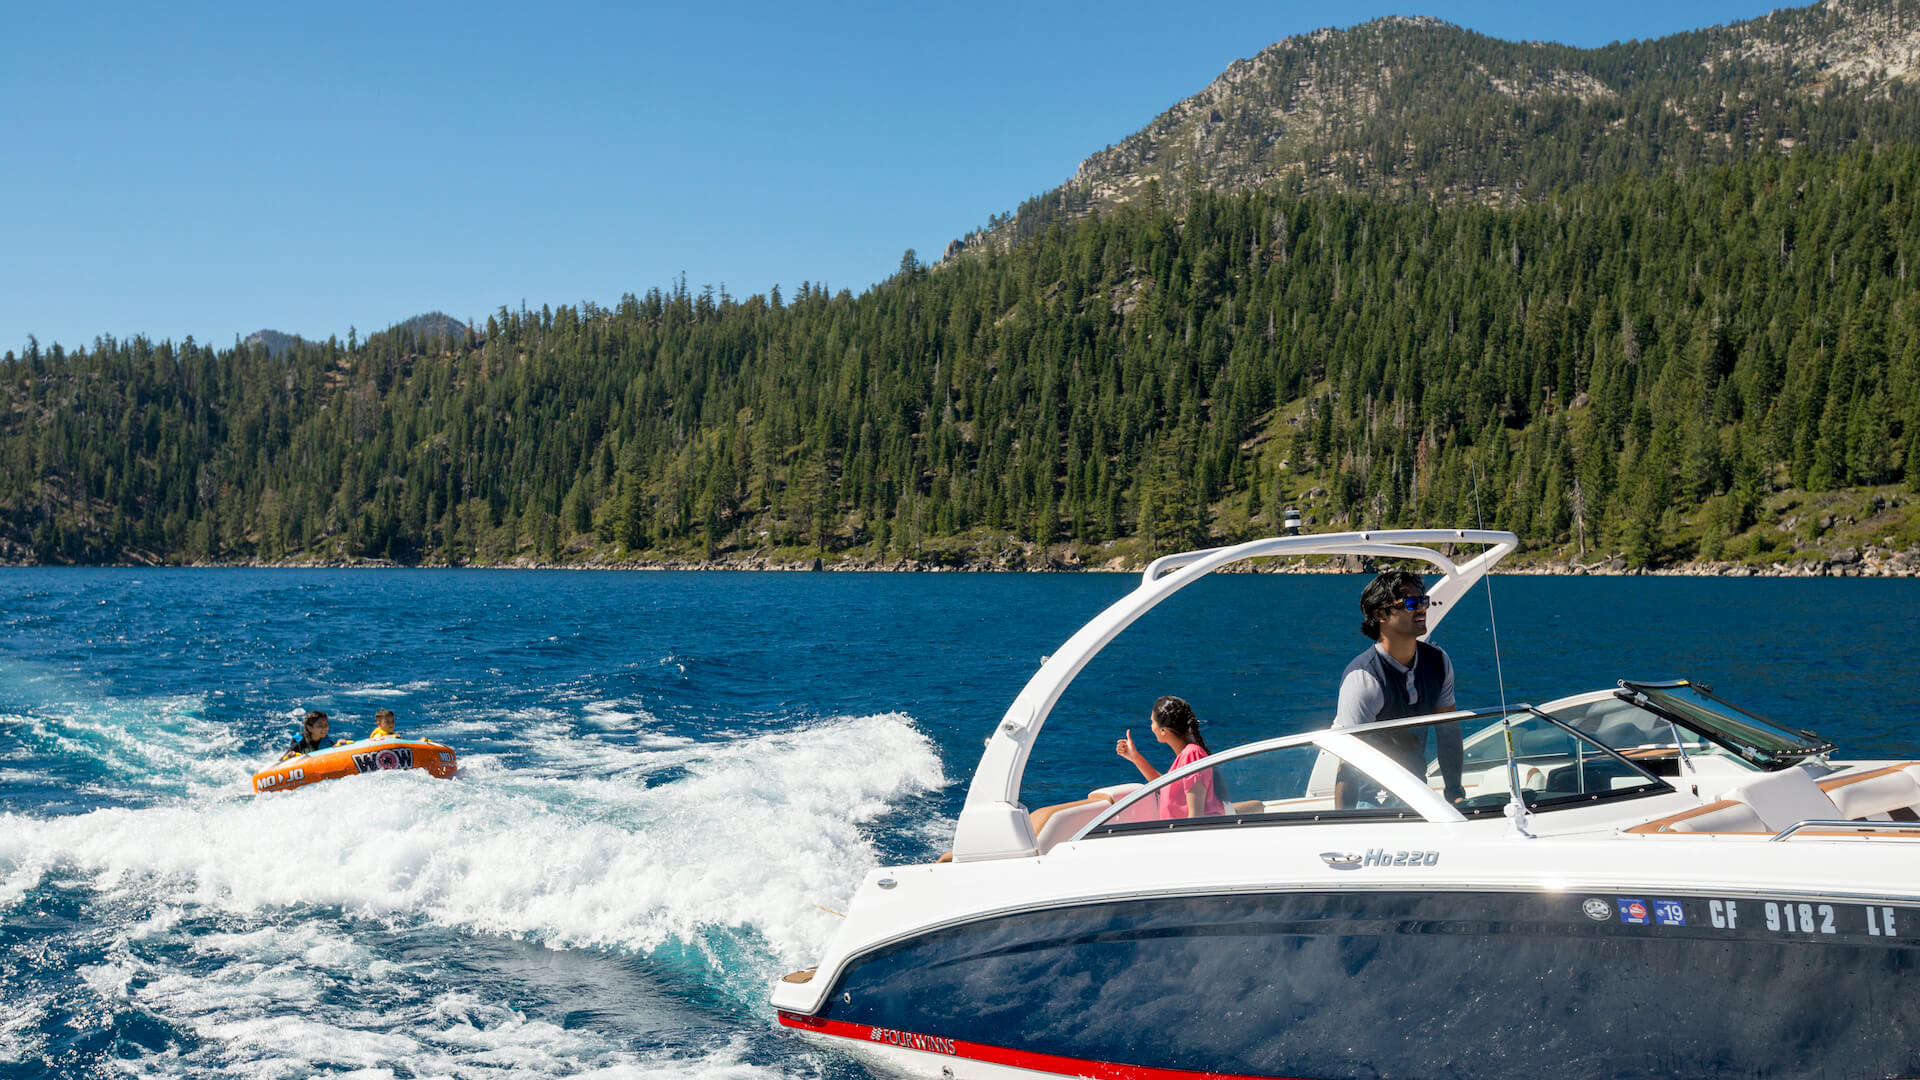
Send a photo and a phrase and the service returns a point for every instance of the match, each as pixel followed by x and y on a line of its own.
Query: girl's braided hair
pixel 1176 716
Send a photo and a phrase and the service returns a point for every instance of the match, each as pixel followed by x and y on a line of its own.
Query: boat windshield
pixel 1755 739
pixel 1649 739
pixel 1558 766
pixel 1267 785
pixel 1462 759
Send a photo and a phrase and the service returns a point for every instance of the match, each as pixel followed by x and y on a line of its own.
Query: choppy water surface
pixel 666 779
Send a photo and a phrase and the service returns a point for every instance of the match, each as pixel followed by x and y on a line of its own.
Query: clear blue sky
pixel 176 169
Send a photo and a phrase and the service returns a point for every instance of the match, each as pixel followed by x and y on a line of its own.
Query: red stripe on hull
pixel 1000 1055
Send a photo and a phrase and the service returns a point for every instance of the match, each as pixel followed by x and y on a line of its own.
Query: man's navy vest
pixel 1429 675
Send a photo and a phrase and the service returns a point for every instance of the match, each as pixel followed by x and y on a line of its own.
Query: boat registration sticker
pixel 1635 911
pixel 1812 918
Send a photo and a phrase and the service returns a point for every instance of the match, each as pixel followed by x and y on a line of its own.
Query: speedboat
pixel 1640 880
pixel 377 753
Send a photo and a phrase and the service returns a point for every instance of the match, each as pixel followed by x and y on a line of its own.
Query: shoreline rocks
pixel 1872 561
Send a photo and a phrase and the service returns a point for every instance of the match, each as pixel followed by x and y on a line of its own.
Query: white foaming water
pixel 155 745
pixel 367 925
pixel 616 715
pixel 736 847
pixel 20 1037
pixel 385 689
pixel 283 1002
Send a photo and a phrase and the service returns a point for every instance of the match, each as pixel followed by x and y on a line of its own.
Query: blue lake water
pixel 666 779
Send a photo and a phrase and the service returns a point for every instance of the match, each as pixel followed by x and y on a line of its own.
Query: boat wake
pixel 393 919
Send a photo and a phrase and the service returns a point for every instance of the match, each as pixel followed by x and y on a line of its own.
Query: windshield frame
pixel 1536 802
pixel 1422 803
pixel 1658 698
pixel 993 821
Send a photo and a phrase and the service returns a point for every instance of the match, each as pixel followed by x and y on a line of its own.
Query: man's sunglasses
pixel 1414 603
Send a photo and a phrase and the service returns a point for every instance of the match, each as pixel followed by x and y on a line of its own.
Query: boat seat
pixel 1495 779
pixel 1724 816
pixel 1764 805
pixel 1785 798
pixel 1623 724
pixel 1564 780
pixel 1875 791
pixel 1065 821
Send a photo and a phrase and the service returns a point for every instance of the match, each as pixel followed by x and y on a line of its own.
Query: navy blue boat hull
pixel 1393 984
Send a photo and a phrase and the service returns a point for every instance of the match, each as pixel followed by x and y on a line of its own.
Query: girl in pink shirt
pixel 1173 723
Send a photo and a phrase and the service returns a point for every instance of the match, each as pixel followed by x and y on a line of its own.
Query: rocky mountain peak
pixel 1415 108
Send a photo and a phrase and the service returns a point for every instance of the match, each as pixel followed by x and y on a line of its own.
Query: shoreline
pixel 1873 562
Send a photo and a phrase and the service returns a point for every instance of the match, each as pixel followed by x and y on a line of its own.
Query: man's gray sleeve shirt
pixel 1362 697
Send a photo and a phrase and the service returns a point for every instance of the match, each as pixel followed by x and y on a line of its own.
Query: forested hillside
pixel 1638 364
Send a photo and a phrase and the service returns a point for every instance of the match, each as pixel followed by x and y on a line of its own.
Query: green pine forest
pixel 1657 368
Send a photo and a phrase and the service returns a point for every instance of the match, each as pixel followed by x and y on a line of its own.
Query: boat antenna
pixel 1486 583
pixel 1516 805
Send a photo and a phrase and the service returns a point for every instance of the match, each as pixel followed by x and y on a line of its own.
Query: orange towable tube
pixel 365 755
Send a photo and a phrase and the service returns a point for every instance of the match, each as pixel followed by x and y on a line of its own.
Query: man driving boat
pixel 1399 676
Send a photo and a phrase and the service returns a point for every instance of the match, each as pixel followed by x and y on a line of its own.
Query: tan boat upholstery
pixel 1874 792
pixel 1786 797
pixel 1724 816
pixel 1056 823
pixel 1766 804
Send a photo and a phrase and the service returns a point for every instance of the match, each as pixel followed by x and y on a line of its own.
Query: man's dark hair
pixel 1384 592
